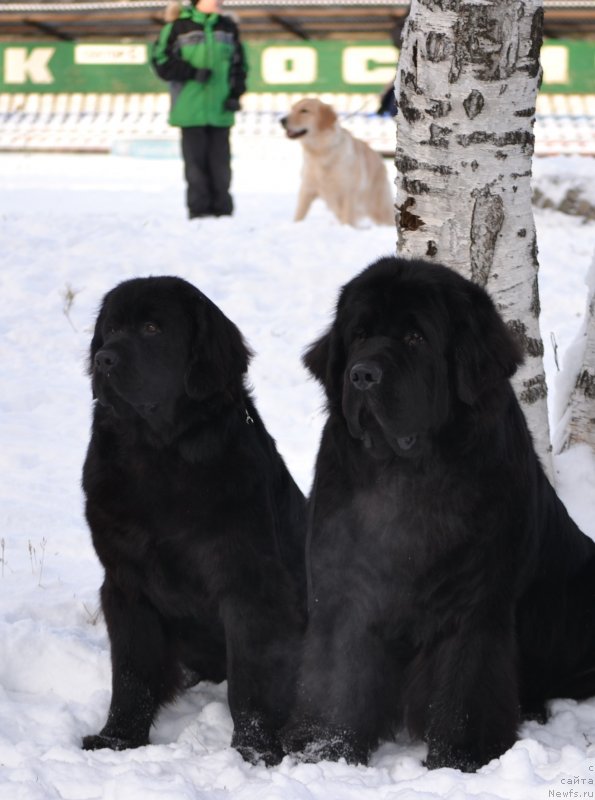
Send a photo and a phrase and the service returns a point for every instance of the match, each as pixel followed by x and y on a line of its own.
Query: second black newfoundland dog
pixel 194 516
pixel 449 591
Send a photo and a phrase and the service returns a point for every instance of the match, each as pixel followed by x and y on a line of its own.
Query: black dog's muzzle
pixel 364 375
pixel 362 409
pixel 105 360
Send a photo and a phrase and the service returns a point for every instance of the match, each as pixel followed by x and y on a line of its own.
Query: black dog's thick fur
pixel 449 591
pixel 194 516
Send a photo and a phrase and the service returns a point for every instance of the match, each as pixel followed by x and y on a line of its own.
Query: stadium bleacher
pixel 565 124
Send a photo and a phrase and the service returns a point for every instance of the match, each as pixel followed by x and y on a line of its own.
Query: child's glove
pixel 203 74
pixel 232 104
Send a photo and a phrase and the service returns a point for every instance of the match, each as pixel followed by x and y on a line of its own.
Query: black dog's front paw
pixel 100 741
pixel 314 742
pixel 334 747
pixel 454 760
pixel 537 712
pixel 295 737
pixel 258 745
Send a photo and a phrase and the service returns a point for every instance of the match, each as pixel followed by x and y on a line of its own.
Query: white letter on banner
pixel 370 64
pixel 19 66
pixel 110 54
pixel 289 65
pixel 554 62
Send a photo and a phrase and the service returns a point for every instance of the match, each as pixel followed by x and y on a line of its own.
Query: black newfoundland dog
pixel 449 591
pixel 194 516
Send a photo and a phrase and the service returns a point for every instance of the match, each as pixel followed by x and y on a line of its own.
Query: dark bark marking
pixel 441 169
pixel 415 186
pixel 535 347
pixel 500 155
pixel 408 110
pixel 406 164
pixel 535 390
pixel 473 104
pixel 410 81
pixel 585 383
pixel 488 38
pixel 437 47
pixel 534 252
pixel 432 249
pixel 536 42
pixel 486 223
pixel 438 136
pixel 535 305
pixel 520 137
pixel 443 5
pixel 407 220
pixel 525 112
pixel 510 40
pixel 521 233
pixel 438 108
pixel 531 346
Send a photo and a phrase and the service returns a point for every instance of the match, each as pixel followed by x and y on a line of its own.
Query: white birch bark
pixel 580 415
pixel 466 86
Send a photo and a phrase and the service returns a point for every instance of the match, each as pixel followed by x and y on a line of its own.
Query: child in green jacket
pixel 199 52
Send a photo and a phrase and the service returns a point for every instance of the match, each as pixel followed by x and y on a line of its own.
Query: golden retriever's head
pixel 307 117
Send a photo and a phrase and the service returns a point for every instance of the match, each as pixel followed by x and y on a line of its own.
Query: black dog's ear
pixel 316 357
pixel 325 358
pixel 219 355
pixel 97 339
pixel 486 352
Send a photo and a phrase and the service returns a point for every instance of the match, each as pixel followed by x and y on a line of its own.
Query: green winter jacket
pixel 195 41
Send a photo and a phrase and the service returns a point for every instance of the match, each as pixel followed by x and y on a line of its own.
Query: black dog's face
pixel 145 345
pixel 158 341
pixel 395 388
pixel 405 349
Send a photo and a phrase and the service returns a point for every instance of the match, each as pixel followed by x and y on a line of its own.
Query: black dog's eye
pixel 111 329
pixel 413 338
pixel 151 328
pixel 359 335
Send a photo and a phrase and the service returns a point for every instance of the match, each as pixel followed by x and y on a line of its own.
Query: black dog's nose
pixel 364 375
pixel 105 360
pixel 283 121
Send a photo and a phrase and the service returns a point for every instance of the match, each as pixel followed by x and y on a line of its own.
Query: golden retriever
pixel 343 171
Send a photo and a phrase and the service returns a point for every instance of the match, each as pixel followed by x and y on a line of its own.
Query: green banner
pixel 301 67
pixel 317 67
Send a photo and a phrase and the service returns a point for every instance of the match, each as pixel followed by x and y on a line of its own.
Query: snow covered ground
pixel 70 228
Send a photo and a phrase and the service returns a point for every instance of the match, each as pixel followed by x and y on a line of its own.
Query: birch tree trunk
pixel 580 415
pixel 466 87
